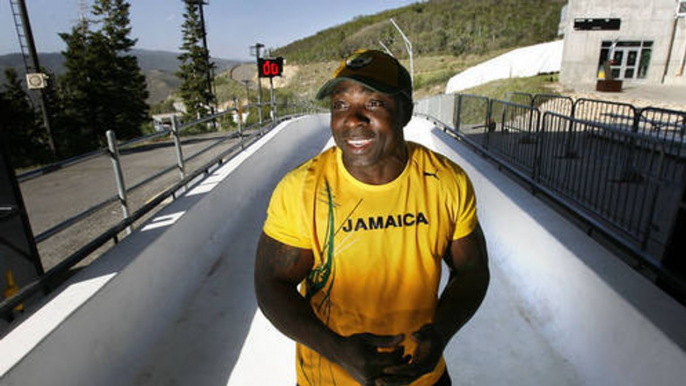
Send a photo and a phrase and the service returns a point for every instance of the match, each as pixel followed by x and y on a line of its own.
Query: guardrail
pixel 244 137
pixel 616 168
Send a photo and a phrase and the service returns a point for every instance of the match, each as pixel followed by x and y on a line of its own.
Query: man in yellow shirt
pixel 362 229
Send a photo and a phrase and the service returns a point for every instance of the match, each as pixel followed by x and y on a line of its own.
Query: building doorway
pixel 629 60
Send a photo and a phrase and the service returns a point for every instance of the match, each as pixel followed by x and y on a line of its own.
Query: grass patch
pixel 540 84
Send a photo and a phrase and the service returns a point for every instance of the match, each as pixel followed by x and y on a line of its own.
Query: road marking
pixel 218 176
pixel 163 221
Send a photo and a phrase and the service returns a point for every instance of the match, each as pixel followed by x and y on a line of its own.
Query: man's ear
pixel 405 108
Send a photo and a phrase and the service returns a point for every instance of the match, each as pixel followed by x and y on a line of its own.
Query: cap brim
pixel 330 85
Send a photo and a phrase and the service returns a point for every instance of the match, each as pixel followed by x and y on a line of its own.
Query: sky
pixel 232 25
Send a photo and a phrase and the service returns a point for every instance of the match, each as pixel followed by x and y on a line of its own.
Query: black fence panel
pixel 598 168
pixel 514 133
pixel 520 98
pixel 619 169
pixel 472 117
pixel 554 103
pixel 668 128
pixel 611 114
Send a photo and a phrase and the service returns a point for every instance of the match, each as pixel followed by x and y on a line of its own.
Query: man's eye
pixel 375 104
pixel 339 105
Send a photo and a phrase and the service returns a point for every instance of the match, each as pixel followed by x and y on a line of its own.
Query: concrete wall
pixel 607 321
pixel 441 107
pixel 99 325
pixel 640 20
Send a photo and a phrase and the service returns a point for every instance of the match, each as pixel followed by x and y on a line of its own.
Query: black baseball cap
pixel 375 70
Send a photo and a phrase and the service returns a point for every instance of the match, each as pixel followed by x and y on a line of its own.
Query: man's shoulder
pixel 312 165
pixel 433 164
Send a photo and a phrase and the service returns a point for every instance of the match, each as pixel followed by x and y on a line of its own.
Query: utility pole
pixel 408 45
pixel 247 91
pixel 386 48
pixel 203 32
pixel 257 47
pixel 31 64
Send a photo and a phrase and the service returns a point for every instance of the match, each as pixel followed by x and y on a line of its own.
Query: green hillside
pixel 438 27
pixel 448 36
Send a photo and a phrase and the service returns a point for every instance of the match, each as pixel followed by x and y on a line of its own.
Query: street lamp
pixel 408 46
pixel 256 48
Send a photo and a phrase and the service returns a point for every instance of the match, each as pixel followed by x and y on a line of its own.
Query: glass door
pixel 628 60
pixel 624 63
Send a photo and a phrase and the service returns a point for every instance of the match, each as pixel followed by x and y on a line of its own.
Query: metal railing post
pixel 538 144
pixel 179 152
pixel 272 99
pixel 118 175
pixel 458 113
pixel 239 115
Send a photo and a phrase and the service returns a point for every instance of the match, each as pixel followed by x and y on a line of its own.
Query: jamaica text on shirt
pixel 383 222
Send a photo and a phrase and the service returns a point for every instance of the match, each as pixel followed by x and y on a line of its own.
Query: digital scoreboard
pixel 269 67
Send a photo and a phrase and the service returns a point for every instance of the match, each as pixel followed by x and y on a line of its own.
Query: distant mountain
pixel 52 61
pixel 158 66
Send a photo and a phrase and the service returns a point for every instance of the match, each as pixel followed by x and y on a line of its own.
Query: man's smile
pixel 359 142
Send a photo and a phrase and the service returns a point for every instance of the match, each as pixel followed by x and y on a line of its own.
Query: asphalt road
pixel 55 197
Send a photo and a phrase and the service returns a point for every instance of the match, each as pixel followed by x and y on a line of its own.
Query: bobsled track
pixel 174 304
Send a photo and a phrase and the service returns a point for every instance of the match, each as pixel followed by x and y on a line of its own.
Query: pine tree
pixel 194 89
pixel 79 93
pixel 103 88
pixel 20 124
pixel 127 90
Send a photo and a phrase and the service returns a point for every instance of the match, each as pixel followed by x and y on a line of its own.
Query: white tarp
pixel 527 61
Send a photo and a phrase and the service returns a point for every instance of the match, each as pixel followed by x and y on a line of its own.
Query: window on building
pixel 628 59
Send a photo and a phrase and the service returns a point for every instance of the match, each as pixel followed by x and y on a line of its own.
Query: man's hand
pixel 366 357
pixel 430 346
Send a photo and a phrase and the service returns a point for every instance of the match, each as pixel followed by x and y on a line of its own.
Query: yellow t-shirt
pixel 377 248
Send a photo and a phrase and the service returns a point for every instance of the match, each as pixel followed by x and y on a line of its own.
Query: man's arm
pixel 469 277
pixel 467 285
pixel 279 269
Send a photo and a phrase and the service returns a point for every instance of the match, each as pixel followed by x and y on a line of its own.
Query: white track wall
pixel 609 324
pixel 607 321
pixel 102 322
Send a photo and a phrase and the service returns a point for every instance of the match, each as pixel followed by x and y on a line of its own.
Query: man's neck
pixel 383 173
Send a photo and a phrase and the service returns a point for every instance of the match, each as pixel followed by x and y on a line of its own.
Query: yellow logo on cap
pixel 357 61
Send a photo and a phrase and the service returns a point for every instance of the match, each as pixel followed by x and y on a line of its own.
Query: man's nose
pixel 357 115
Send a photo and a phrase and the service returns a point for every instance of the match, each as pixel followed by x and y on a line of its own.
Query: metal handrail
pixel 57 274
pixel 93 209
pixel 33 173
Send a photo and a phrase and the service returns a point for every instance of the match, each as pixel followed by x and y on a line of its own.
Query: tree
pixel 103 88
pixel 195 65
pixel 79 94
pixel 127 89
pixel 20 124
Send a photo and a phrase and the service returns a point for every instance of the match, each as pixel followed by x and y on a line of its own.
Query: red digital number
pixel 269 68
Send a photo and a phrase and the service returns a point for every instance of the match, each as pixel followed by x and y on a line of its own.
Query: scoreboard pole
pixel 269 68
pixel 271 92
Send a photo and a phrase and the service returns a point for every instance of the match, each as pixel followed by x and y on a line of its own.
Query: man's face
pixel 366 127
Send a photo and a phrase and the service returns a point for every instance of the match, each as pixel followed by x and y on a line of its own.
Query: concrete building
pixel 644 40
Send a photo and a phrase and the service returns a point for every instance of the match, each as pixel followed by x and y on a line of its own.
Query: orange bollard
pixel 12 289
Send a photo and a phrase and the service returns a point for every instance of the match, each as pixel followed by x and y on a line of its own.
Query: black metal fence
pixel 84 239
pixel 618 167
